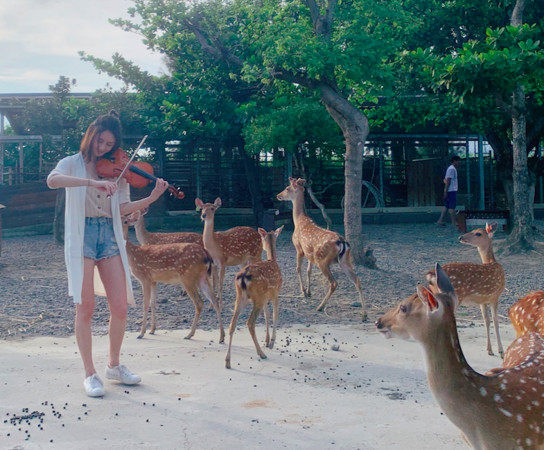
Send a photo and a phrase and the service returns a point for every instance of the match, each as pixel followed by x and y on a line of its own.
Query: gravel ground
pixel 34 300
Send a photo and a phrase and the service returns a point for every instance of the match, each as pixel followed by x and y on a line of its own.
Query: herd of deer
pixel 502 409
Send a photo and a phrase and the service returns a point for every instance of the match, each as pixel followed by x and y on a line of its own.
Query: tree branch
pixel 517 14
pixel 217 50
pixel 322 24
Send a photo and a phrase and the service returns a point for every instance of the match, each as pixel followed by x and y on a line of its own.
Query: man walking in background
pixel 450 192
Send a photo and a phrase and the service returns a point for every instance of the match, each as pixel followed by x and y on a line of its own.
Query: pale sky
pixel 40 40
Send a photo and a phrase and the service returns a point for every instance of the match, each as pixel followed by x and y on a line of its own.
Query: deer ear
pixel 217 202
pixel 261 231
pixel 427 297
pixel 199 203
pixel 279 230
pixel 442 281
pixel 301 182
pixel 491 228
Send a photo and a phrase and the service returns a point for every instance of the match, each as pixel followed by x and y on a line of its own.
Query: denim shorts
pixel 99 241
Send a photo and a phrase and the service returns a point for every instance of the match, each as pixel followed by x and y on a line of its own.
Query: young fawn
pixel 320 247
pixel 527 314
pixel 502 409
pixel 259 282
pixel 186 264
pixel 233 247
pixel 478 284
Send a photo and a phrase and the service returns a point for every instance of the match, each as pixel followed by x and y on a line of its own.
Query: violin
pixel 138 174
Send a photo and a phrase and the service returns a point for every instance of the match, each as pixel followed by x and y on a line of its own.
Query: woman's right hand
pixel 109 187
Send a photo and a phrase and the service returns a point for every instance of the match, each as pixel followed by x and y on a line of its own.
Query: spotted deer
pixel 234 247
pixel 259 282
pixel 178 263
pixel 478 284
pixel 319 246
pixel 146 238
pixel 527 314
pixel 502 409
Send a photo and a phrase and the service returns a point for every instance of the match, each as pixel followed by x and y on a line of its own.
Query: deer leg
pixel 299 270
pixel 332 286
pixel 251 326
pixel 485 315
pixel 146 290
pixel 346 267
pixel 220 284
pixel 239 304
pixel 308 274
pixel 207 290
pixel 153 304
pixel 267 321
pixel 192 292
pixel 274 321
pixel 495 316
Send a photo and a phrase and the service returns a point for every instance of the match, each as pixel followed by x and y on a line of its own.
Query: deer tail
pixel 208 260
pixel 243 279
pixel 343 249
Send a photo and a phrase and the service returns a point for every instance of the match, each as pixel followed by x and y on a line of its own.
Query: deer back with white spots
pixel 146 238
pixel 527 314
pixel 233 247
pixel 259 282
pixel 187 264
pixel 502 409
pixel 478 284
pixel 319 246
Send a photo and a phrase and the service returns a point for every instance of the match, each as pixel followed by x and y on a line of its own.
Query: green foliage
pixel 458 67
pixel 67 118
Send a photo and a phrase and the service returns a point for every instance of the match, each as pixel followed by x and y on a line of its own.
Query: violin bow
pixel 131 158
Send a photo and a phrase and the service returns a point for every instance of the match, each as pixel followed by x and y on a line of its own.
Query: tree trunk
pixel 522 236
pixel 354 126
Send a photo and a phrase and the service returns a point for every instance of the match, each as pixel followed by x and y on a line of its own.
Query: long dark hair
pixel 106 122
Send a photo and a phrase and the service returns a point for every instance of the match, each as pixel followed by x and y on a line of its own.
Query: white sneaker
pixel 93 386
pixel 122 374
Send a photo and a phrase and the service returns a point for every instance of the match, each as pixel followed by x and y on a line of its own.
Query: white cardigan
pixel 74 228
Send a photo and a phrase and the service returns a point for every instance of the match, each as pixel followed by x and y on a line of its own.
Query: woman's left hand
pixel 159 189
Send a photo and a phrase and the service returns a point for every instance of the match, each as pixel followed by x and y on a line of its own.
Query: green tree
pixel 335 49
pixel 467 73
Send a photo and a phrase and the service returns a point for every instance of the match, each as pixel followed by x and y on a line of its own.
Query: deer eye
pixel 478 234
pixel 403 309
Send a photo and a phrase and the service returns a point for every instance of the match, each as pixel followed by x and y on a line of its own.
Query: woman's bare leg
pixel 84 315
pixel 112 274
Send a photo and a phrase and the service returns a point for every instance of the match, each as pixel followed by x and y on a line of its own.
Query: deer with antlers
pixel 319 246
pixel 527 314
pixel 179 263
pixel 478 284
pixel 502 409
pixel 233 247
pixel 259 282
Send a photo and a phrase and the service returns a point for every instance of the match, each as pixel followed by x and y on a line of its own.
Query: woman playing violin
pixel 95 252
